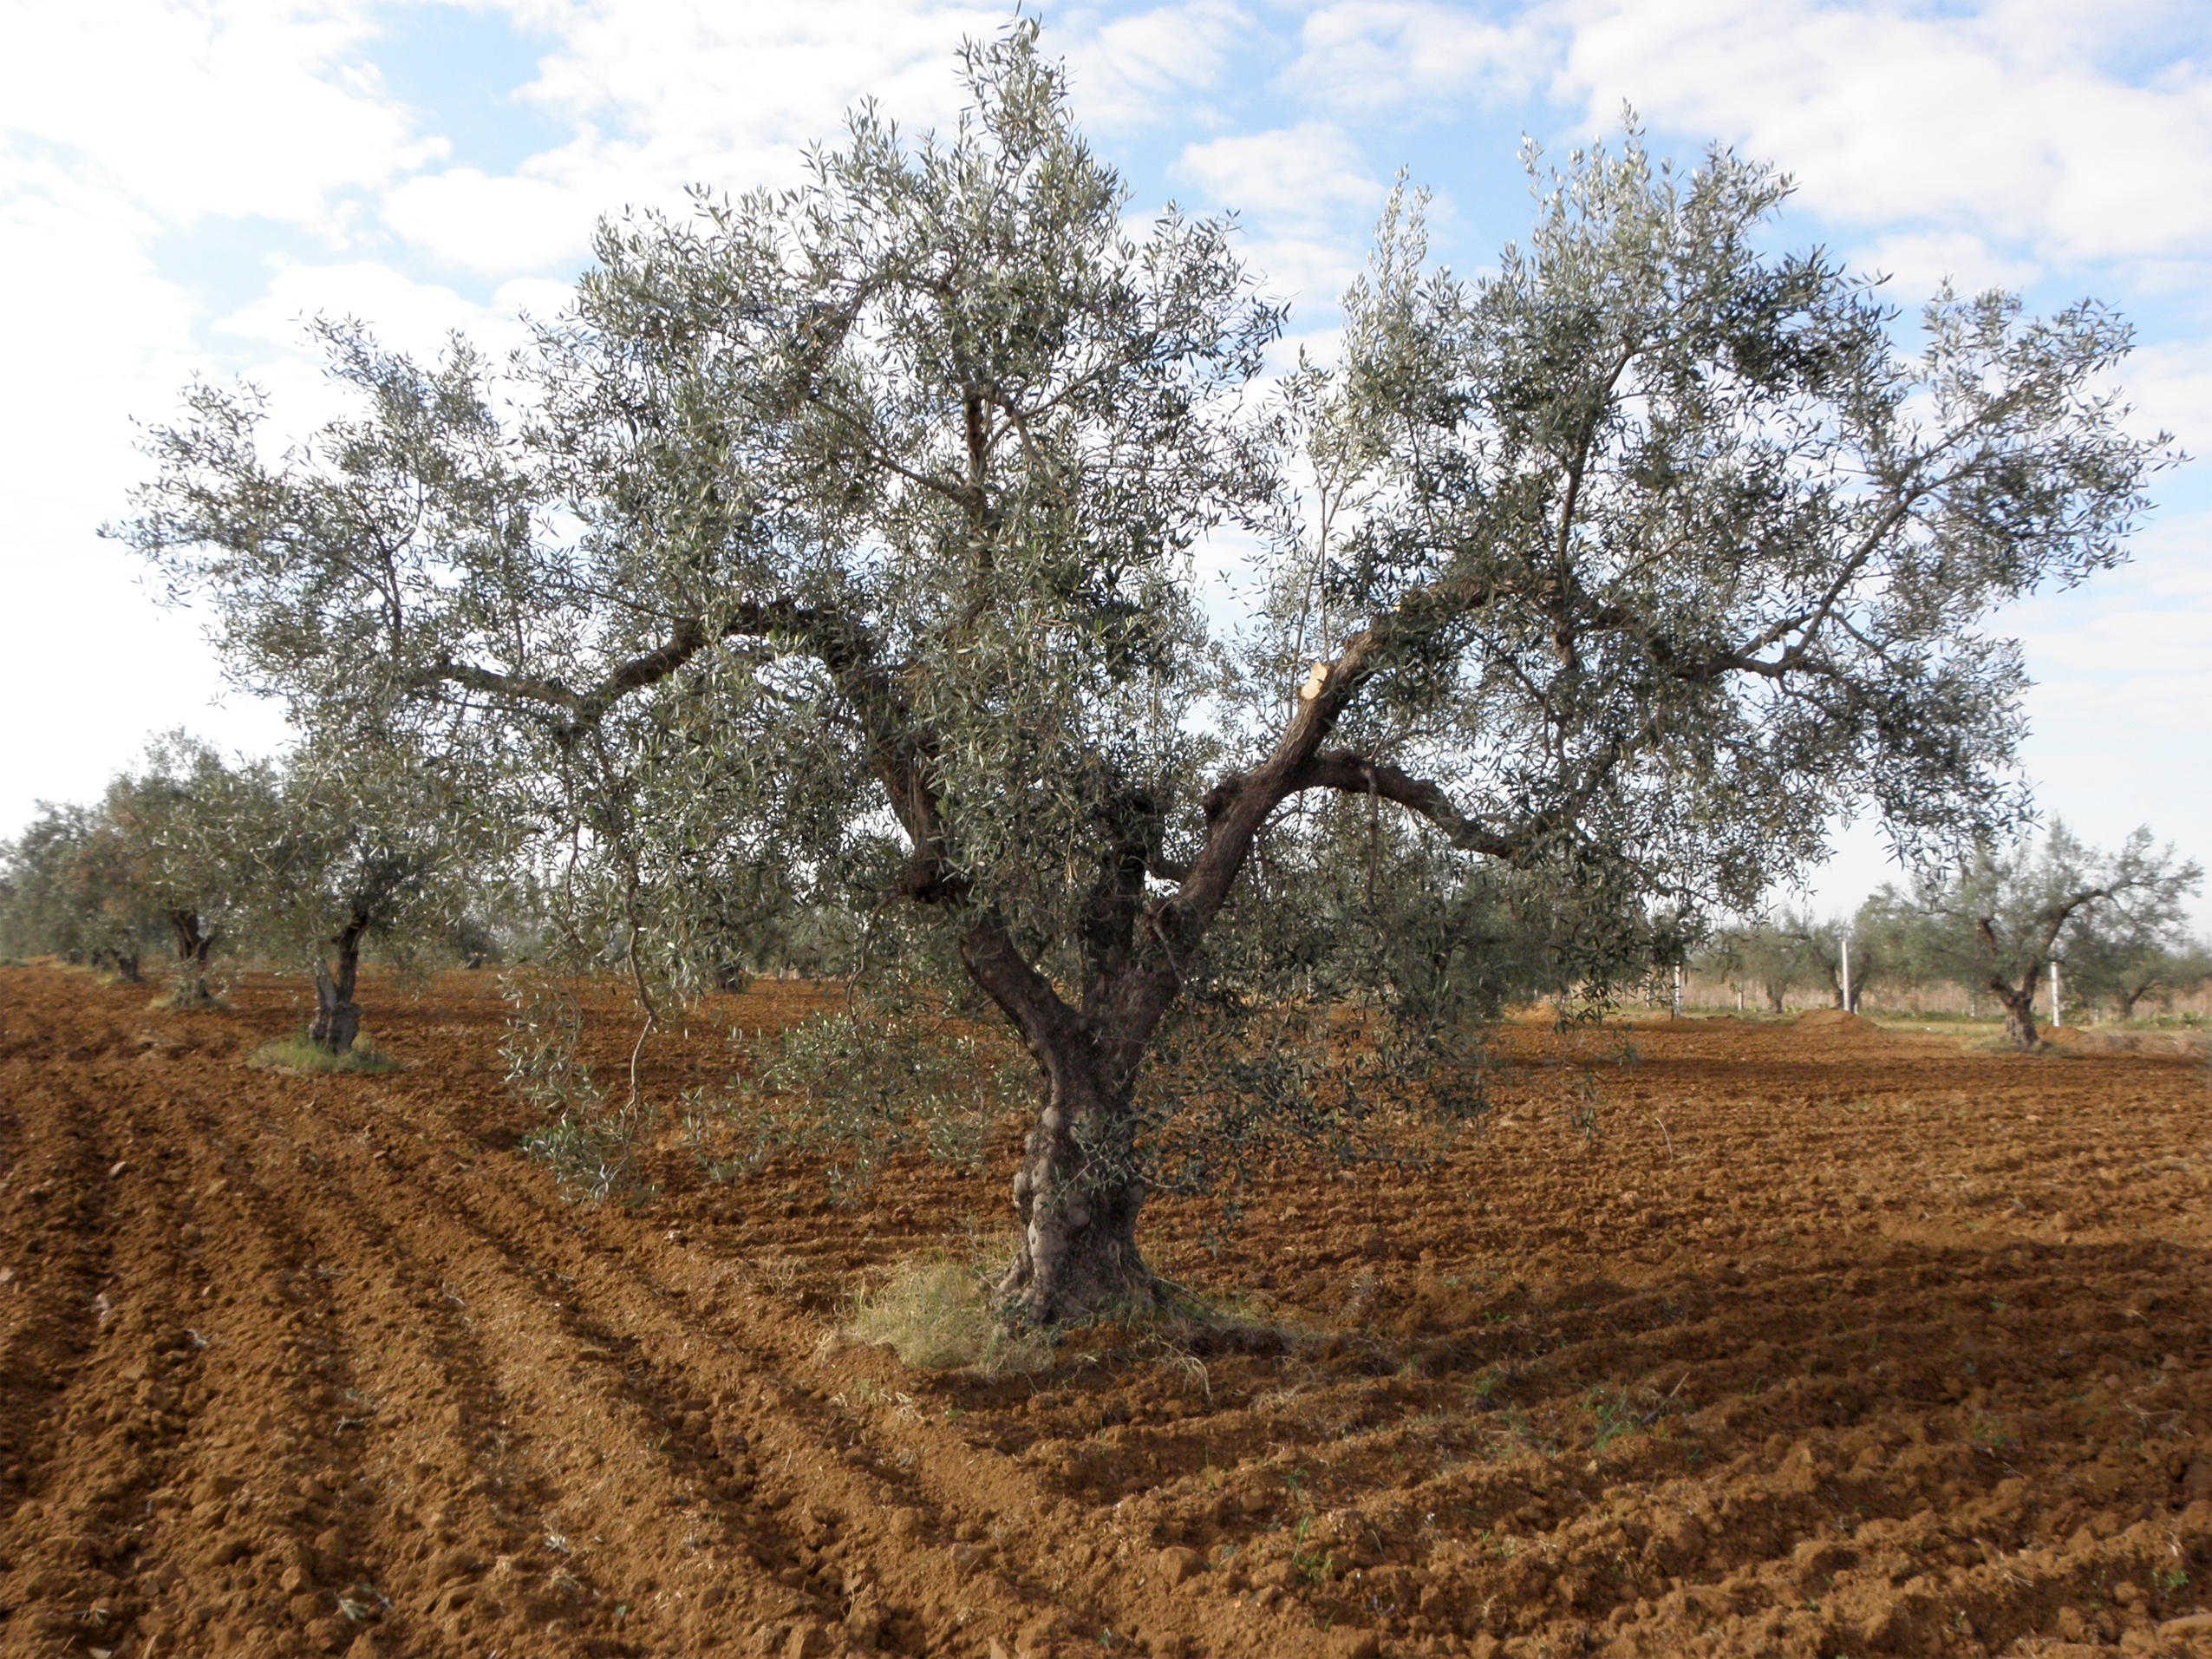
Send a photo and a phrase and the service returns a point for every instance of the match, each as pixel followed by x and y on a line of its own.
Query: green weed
pixel 299 1053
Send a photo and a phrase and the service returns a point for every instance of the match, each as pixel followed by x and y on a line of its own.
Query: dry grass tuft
pixel 937 1316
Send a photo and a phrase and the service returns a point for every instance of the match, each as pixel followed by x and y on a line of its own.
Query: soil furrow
pixel 1718 1337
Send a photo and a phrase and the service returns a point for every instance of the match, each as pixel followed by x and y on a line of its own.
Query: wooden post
pixel 2057 1014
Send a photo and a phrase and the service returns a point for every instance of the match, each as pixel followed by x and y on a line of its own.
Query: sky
pixel 182 184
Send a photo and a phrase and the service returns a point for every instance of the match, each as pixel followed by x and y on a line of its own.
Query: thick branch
pixel 1048 1025
pixel 1354 774
pixel 898 751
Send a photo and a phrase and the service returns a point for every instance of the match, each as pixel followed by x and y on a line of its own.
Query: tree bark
pixel 2019 1011
pixel 1077 1195
pixel 337 1016
pixel 195 945
pixel 1077 1192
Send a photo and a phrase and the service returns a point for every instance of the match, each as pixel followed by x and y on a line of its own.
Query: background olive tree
pixel 1768 955
pixel 186 823
pixel 67 889
pixel 362 844
pixel 849 540
pixel 2122 966
pixel 1997 917
pixel 166 857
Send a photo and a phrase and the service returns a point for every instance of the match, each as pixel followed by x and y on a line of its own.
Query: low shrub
pixel 854 1087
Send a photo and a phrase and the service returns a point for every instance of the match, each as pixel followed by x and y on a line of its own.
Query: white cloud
pixel 709 76
pixel 689 91
pixel 495 226
pixel 2000 122
pixel 1306 174
pixel 92 329
pixel 230 108
pixel 1312 272
pixel 407 316
pixel 662 97
pixel 665 97
pixel 1304 198
pixel 2170 385
pixel 2080 130
pixel 94 333
pixel 2124 671
pixel 1394 56
pixel 1136 69
pixel 1917 263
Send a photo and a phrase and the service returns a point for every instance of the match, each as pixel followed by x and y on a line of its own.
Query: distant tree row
pixel 187 855
pixel 1992 923
pixel 310 862
pixel 302 861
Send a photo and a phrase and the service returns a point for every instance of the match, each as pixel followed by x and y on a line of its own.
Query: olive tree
pixel 1998 915
pixel 184 824
pixel 850 533
pixel 1862 938
pixel 1901 945
pixel 1770 955
pixel 356 846
pixel 67 887
pixel 1823 943
pixel 2120 960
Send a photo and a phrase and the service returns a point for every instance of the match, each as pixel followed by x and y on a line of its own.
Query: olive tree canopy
pixel 847 541
pixel 185 823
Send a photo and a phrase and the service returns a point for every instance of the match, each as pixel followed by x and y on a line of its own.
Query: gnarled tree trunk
pixel 1077 1195
pixel 337 1016
pixel 2018 1003
pixel 195 943
pixel 1077 1191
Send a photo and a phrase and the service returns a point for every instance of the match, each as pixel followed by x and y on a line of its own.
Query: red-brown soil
pixel 1829 1341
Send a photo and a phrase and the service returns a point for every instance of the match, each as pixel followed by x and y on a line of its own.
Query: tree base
pixel 335 1027
pixel 1085 1273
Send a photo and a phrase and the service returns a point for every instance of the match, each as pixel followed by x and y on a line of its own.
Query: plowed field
pixel 1807 1339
